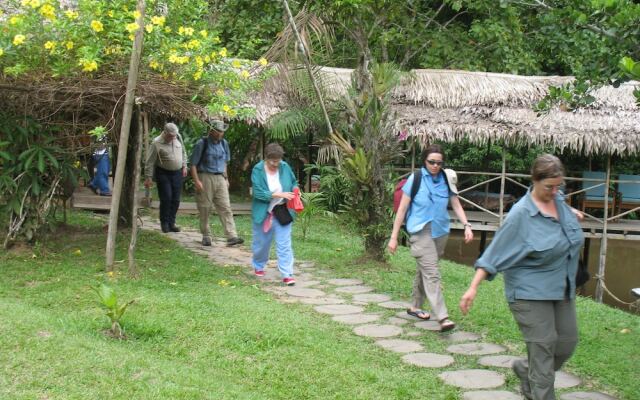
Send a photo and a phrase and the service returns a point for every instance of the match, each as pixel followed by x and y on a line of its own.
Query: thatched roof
pixel 449 105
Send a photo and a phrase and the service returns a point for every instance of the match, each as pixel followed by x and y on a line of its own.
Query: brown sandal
pixel 446 325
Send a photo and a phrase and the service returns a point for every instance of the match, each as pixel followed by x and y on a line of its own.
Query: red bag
pixel 296 202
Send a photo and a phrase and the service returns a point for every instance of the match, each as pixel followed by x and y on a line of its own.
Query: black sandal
pixel 417 313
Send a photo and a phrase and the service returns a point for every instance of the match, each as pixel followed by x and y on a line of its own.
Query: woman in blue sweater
pixel 273 182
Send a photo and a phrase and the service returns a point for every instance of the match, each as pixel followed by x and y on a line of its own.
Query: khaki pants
pixel 215 192
pixel 426 284
pixel 549 329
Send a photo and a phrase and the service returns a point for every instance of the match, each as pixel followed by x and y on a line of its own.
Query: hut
pixel 483 107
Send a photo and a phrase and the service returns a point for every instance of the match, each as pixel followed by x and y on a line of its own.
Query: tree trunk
pixel 124 138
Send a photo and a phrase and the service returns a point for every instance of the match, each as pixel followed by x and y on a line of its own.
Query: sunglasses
pixel 434 162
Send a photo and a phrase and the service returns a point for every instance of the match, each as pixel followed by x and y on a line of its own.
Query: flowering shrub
pixel 38 38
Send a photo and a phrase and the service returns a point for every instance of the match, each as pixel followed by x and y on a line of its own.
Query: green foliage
pixel 333 185
pixel 34 171
pixel 632 70
pixel 314 206
pixel 109 301
pixel 95 38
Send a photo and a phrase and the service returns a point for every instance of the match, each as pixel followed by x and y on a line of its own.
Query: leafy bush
pixel 109 300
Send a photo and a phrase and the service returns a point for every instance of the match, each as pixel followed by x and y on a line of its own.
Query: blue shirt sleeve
pixel 196 153
pixel 507 248
pixel 227 152
pixel 406 189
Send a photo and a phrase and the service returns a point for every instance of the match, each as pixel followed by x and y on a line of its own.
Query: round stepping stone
pixel 586 396
pixel 490 395
pixel 498 361
pixel 397 321
pixel 304 292
pixel 354 289
pixel 400 345
pixel 461 336
pixel 475 349
pixel 566 380
pixel 428 325
pixel 306 264
pixel 305 283
pixel 320 300
pixel 371 297
pixel 473 378
pixel 355 319
pixel 375 330
pixel 404 315
pixel 413 333
pixel 338 309
pixel 428 360
pixel 344 282
pixel 394 305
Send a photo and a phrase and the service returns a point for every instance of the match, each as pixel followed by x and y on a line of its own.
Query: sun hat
pixel 452 180
pixel 218 125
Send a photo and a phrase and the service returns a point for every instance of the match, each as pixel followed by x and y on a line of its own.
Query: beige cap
pixel 452 179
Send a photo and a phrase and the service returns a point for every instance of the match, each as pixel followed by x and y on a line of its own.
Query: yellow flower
pixel 71 14
pixel 15 20
pixel 197 75
pixel 110 13
pixel 173 59
pixel 245 74
pixel 132 27
pixel 77 164
pixel 199 61
pixel 185 31
pixel 263 61
pixel 207 59
pixel 226 108
pixel 236 64
pixel 25 3
pixel 51 46
pixel 220 92
pixel 136 14
pixel 18 40
pixel 216 40
pixel 111 274
pixel 97 26
pixel 154 65
pixel 223 52
pixel 32 3
pixel 223 283
pixel 132 37
pixel 88 65
pixel 48 12
pixel 167 29
pixel 204 33
pixel 156 20
pixel 69 45
pixel 232 113
pixel 148 28
pixel 193 44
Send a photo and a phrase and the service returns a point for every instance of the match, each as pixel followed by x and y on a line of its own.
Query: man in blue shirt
pixel 209 171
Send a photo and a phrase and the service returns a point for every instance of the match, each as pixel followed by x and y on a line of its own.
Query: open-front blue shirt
pixel 537 253
pixel 429 205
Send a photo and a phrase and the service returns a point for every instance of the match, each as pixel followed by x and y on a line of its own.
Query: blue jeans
pixel 169 190
pixel 101 179
pixel 262 243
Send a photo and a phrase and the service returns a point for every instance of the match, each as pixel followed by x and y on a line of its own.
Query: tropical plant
pixel 109 301
pixel 34 172
pixel 314 205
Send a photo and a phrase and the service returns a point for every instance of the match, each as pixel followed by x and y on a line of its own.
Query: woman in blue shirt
pixel 428 224
pixel 272 183
pixel 537 248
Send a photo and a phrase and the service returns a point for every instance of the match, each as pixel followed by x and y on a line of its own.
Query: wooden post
pixel 133 271
pixel 603 241
pixel 502 183
pixel 132 81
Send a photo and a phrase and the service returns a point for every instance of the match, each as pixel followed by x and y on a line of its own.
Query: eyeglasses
pixel 550 188
pixel 273 163
pixel 435 162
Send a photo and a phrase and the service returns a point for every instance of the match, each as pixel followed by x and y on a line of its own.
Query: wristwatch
pixel 467 224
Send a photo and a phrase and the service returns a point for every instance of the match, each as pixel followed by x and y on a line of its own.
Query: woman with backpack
pixel 427 221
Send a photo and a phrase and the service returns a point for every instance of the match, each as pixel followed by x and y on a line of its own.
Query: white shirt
pixel 273 181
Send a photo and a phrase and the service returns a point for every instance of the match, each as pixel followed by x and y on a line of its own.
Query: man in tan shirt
pixel 167 163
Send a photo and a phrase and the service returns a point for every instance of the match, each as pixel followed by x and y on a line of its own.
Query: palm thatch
pixel 450 105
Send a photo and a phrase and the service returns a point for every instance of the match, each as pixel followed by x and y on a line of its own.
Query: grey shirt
pixel 170 156
pixel 537 254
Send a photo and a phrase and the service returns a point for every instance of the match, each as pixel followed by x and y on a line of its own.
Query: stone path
pixel 375 315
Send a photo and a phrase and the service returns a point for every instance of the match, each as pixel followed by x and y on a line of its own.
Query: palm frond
pixel 290 123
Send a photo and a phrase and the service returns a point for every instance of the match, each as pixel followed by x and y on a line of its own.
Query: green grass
pixel 192 337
